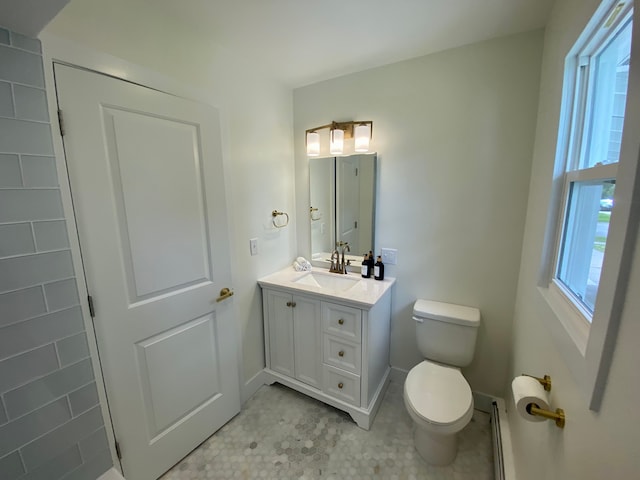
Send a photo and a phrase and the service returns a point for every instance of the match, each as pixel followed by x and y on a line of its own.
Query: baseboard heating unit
pixel 501 439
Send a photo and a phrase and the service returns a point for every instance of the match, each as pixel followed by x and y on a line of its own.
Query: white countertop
pixel 364 294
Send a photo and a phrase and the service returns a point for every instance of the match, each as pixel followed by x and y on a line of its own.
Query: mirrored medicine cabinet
pixel 342 193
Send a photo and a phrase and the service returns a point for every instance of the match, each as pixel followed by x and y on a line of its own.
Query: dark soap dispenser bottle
pixel 365 270
pixel 378 270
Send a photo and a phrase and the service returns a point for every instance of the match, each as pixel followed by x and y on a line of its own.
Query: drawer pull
pixel 291 304
pixel 340 385
pixel 341 321
pixel 288 304
pixel 341 353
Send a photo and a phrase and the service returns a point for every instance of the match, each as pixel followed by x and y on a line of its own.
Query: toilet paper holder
pixel 533 409
pixel 558 415
pixel 544 381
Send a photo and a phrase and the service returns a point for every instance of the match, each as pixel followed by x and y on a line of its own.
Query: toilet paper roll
pixel 528 390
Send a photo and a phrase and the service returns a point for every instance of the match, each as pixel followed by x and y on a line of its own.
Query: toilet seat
pixel 438 397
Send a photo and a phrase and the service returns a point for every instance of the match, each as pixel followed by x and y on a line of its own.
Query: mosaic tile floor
pixel 282 434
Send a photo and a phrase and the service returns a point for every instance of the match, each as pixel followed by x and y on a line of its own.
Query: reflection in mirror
pixel 342 204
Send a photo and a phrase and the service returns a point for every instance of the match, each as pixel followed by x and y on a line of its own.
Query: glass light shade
pixel 313 144
pixel 337 142
pixel 362 134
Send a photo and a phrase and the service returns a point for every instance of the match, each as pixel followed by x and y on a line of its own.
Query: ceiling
pixel 300 42
pixel 28 17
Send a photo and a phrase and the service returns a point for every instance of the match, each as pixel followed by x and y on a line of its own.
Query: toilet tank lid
pixel 447 312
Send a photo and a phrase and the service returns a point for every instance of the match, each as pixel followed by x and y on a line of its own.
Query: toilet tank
pixel 446 333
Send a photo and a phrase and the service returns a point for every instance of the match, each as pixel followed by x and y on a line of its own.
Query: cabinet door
pixel 308 341
pixel 280 318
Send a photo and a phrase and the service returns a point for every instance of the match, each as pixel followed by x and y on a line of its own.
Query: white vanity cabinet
pixel 330 349
pixel 293 330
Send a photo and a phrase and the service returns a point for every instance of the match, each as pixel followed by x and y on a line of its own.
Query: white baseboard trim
pixel 398 375
pixel 482 401
pixel 251 386
pixel 111 474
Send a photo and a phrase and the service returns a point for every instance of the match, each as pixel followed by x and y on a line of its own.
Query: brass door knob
pixel 224 293
pixel 341 353
pixel 341 321
pixel 340 385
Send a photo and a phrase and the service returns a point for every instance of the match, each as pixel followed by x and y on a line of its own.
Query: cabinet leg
pixel 361 419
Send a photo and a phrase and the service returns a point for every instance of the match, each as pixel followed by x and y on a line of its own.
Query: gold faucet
pixel 339 266
pixel 335 266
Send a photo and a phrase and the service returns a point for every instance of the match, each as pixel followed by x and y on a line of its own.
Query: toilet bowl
pixel 436 395
pixel 439 401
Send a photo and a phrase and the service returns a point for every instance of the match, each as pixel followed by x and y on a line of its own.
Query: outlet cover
pixel 389 256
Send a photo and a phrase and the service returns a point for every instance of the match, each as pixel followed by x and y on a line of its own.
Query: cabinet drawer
pixel 342 385
pixel 342 354
pixel 342 321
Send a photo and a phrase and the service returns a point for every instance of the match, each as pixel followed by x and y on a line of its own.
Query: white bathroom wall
pixel 593 445
pixel 257 122
pixel 454 132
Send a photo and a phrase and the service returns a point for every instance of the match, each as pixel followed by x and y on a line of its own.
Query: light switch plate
pixel 389 256
pixel 253 246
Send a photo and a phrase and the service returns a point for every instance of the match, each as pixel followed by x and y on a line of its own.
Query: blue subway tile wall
pixel 51 425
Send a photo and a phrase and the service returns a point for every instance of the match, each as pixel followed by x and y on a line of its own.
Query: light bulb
pixel 337 142
pixel 362 134
pixel 313 144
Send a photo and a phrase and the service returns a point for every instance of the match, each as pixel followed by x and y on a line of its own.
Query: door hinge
pixel 355 224
pixel 61 123
pixel 92 311
pixel 356 172
pixel 118 451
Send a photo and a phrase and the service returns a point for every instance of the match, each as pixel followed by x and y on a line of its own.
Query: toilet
pixel 437 396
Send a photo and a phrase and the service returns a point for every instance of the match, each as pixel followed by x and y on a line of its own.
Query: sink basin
pixel 328 281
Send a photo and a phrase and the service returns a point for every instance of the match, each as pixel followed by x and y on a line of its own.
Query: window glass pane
pixel 607 100
pixel 584 239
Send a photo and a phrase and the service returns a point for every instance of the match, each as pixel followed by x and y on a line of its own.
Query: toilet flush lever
pixel 418 319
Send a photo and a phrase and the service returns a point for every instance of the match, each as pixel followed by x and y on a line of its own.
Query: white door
pixel 146 179
pixel 348 201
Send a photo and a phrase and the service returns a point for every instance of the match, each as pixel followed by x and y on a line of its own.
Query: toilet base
pixel 435 449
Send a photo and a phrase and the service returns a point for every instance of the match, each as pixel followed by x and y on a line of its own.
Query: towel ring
pixel 314 211
pixel 275 214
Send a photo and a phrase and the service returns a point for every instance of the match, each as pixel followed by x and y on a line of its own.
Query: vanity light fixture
pixel 362 135
pixel 336 144
pixel 360 131
pixel 313 144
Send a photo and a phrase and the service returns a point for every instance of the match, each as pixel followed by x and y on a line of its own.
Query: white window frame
pixel 588 341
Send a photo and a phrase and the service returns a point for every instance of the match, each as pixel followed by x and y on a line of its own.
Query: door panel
pixel 307 330
pixel 348 201
pixel 164 380
pixel 155 164
pixel 280 332
pixel 145 171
